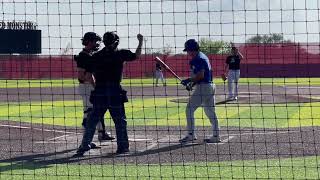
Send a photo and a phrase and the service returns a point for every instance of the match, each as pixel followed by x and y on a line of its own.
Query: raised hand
pixel 140 37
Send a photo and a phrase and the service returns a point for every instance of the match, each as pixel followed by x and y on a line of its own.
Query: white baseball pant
pixel 203 95
pixel 85 91
pixel 233 79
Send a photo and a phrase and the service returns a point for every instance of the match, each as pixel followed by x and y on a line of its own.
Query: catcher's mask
pixel 91 37
pixel 111 40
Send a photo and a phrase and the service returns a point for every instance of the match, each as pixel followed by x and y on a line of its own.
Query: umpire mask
pixel 111 40
pixel 97 46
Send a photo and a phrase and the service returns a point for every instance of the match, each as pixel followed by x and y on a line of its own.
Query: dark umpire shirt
pixel 234 62
pixel 83 61
pixel 107 66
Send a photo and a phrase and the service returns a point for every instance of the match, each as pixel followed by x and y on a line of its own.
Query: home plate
pixel 166 142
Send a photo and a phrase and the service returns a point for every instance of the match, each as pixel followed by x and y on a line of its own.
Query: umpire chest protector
pixel 108 66
pixel 107 70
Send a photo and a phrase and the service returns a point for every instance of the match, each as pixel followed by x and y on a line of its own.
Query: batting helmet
pixel 110 38
pixel 191 45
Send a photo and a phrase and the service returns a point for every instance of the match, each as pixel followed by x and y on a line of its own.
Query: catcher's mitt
pixel 224 77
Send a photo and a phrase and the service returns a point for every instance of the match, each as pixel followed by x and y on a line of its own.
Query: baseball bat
pixel 167 68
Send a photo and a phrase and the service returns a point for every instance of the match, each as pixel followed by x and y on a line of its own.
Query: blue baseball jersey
pixel 201 62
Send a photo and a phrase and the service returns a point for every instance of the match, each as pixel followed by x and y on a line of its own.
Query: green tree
pixel 271 38
pixel 208 46
pixel 167 50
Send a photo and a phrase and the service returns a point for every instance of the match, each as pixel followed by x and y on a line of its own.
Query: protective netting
pixel 268 128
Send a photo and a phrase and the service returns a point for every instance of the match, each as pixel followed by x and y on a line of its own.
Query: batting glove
pixel 189 86
pixel 185 82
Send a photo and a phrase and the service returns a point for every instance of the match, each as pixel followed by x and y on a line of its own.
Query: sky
pixel 164 22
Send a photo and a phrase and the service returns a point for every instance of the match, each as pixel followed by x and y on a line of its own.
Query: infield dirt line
pixel 167 138
pixel 302 87
pixel 156 143
pixel 59 137
pixel 38 129
pixel 262 133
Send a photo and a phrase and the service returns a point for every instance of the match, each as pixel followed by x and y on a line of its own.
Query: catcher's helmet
pixel 110 38
pixel 91 36
pixel 191 45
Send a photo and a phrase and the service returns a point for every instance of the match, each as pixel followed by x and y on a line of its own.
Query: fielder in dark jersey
pixel 232 66
pixel 108 94
pixel 159 75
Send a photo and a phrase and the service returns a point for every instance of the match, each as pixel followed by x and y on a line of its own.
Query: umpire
pixel 108 93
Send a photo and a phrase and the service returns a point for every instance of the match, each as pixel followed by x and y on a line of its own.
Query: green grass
pixel 149 82
pixel 163 112
pixel 34 83
pixel 289 168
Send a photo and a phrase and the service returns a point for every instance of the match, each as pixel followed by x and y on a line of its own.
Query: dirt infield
pixel 23 143
pixel 44 144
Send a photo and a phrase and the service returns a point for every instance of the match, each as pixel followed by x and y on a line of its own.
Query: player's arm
pixel 84 69
pixel 81 74
pixel 85 76
pixel 127 55
pixel 138 50
pixel 226 67
pixel 80 67
pixel 89 78
pixel 239 54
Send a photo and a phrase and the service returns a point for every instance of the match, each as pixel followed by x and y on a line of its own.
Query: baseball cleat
pixel 188 138
pixel 213 139
pixel 105 137
pixel 230 98
pixel 81 150
pixel 94 146
pixel 122 151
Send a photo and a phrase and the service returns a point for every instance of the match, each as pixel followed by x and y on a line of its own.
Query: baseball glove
pixel 224 77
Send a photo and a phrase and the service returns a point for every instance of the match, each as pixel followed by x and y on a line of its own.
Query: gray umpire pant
pixel 85 91
pixel 203 95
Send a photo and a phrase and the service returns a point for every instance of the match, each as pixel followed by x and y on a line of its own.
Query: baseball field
pixel 271 132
